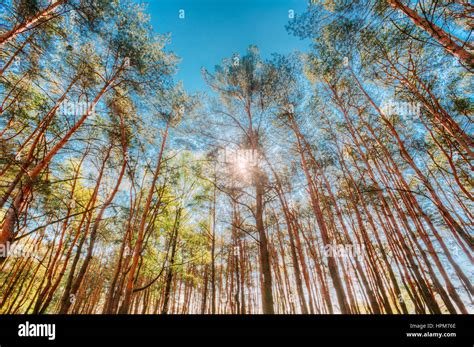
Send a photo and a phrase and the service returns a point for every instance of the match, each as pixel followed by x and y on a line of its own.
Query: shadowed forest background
pixel 332 179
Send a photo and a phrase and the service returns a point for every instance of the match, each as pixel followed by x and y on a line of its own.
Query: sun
pixel 243 163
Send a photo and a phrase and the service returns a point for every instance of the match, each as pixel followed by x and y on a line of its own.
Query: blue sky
pixel 215 29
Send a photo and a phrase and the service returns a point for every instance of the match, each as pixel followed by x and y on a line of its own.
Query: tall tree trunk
pixel 31 22
pixel 436 33
pixel 267 294
pixel 169 274
pixel 141 230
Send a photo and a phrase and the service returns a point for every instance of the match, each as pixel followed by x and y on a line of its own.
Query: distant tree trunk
pixel 169 274
pixel 204 291
pixel 291 232
pixel 213 252
pixel 74 287
pixel 332 265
